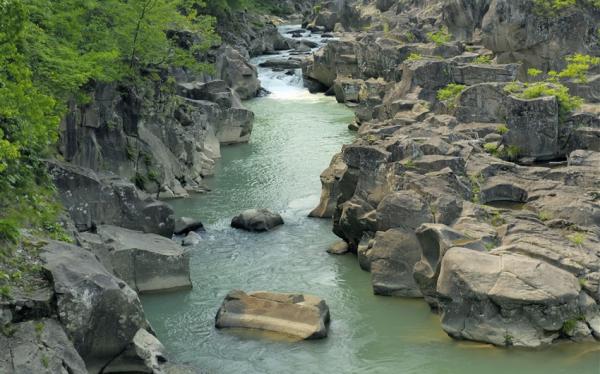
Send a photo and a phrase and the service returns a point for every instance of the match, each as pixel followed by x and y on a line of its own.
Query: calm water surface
pixel 294 137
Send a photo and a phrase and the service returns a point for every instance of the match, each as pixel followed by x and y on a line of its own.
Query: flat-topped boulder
pixel 298 315
pixel 257 220
pixel 147 262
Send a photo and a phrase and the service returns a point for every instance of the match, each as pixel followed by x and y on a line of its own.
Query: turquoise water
pixel 294 137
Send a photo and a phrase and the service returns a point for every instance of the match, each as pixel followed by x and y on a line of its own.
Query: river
pixel 295 135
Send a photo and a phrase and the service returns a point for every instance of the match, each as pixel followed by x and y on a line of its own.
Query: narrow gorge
pixel 300 186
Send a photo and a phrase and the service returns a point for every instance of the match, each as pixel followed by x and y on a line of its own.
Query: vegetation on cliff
pixel 50 52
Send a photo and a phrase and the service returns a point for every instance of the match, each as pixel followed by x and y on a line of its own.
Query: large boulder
pixel 533 126
pixel 257 220
pixel 39 347
pixel 435 240
pixel 239 74
pixel 297 315
pixel 393 256
pixel 147 262
pixel 94 199
pixel 506 299
pixel 100 313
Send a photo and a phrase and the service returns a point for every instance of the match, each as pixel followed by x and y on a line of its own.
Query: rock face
pixel 297 315
pixel 237 72
pixel 94 199
pixel 478 291
pixel 39 347
pixel 393 256
pixel 516 30
pixel 459 198
pixel 99 312
pixel 147 262
pixel 257 220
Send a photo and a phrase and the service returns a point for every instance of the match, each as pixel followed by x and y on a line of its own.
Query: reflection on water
pixel 294 138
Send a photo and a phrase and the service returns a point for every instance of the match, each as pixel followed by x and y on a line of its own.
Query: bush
pixel 440 37
pixel 483 60
pixel 448 94
pixel 566 102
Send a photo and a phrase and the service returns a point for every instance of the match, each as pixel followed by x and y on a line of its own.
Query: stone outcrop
pixel 257 220
pixel 146 262
pixel 297 315
pixel 99 198
pixel 39 347
pixel 98 311
pixel 465 199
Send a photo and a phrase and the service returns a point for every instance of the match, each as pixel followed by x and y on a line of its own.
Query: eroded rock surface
pixel 297 315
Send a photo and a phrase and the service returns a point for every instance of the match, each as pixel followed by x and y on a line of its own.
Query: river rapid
pixel 295 135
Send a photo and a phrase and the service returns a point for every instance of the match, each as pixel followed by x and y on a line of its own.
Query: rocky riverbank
pixel 78 309
pixel 465 187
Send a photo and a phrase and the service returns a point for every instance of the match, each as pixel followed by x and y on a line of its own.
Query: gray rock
pixel 191 239
pixel 435 240
pixel 505 300
pixel 147 262
pixel 338 248
pixel 297 315
pixel 403 209
pixel 393 256
pixel 237 72
pixel 257 220
pixel 94 199
pixel 39 346
pixel 145 355
pixel 100 313
pixel 533 126
pixel 183 225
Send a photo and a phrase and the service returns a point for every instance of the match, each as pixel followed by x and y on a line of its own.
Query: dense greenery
pixel 50 51
pixel 555 7
pixel 550 84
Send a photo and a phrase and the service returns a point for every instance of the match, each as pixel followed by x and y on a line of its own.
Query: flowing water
pixel 294 137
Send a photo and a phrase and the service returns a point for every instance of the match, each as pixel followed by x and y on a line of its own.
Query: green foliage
pixel 556 7
pixel 569 325
pixel 410 37
pixel 476 182
pixel 577 238
pixel 502 129
pixel 440 37
pixel 483 60
pixel 578 66
pixel 491 148
pixel 414 57
pixel 567 103
pixel 544 216
pixel 533 72
pixel 449 94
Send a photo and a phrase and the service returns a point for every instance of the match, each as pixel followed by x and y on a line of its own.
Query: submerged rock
pixel 297 315
pixel 257 220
